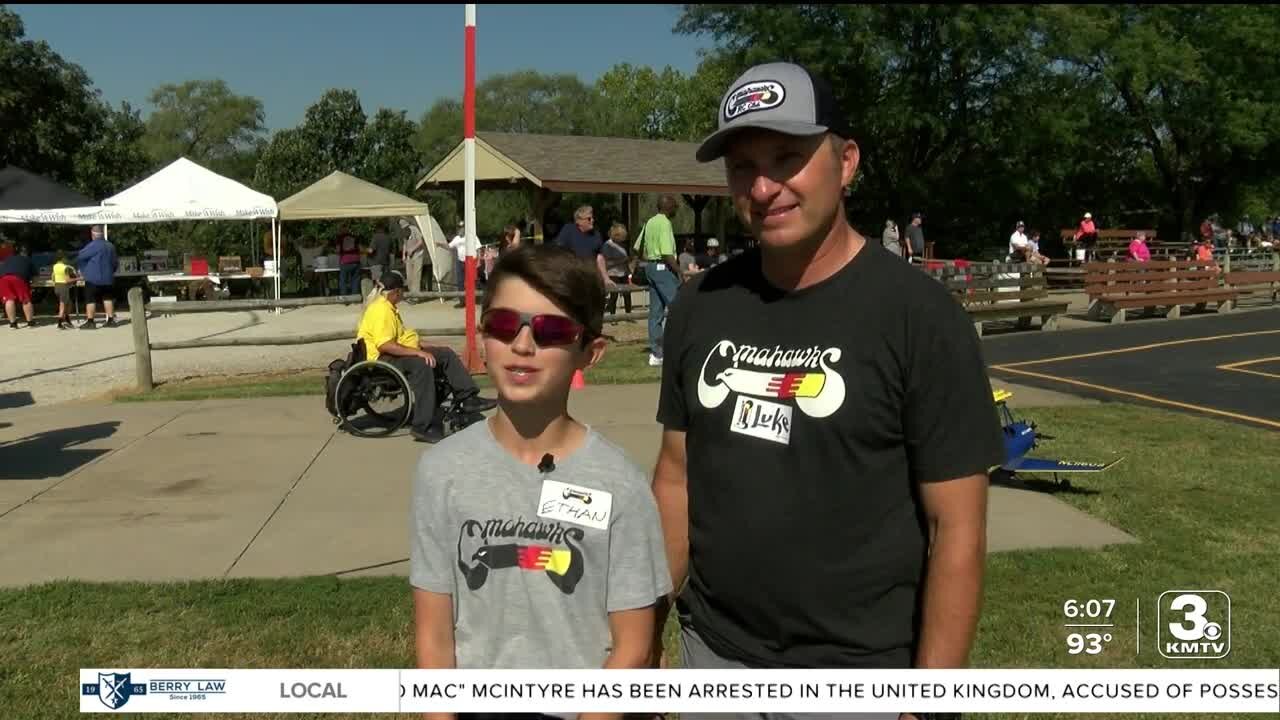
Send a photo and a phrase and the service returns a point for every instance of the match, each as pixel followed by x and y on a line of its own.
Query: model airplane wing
pixel 1059 466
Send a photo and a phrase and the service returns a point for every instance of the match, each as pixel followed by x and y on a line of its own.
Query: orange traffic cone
pixel 579 380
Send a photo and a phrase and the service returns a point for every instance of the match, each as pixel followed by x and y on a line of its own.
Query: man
pixel 379 254
pixel 97 264
pixel 459 247
pixel 1019 244
pixel 828 424
pixel 582 238
pixel 657 248
pixel 385 337
pixel 712 256
pixel 414 250
pixel 16 272
pixel 915 237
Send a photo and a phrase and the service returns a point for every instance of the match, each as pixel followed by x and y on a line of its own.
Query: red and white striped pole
pixel 469 186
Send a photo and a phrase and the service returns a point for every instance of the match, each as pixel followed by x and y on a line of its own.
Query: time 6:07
pixel 1088 608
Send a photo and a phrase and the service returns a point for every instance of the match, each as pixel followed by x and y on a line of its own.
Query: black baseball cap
pixel 780 96
pixel 392 281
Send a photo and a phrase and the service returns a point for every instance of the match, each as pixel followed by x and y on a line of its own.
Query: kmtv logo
pixel 1194 624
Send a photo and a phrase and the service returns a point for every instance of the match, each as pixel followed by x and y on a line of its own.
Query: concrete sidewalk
pixel 267 488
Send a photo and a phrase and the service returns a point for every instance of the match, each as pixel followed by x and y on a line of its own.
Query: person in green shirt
pixel 656 245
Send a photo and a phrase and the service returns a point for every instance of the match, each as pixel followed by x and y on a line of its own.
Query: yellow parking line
pixel 1141 396
pixel 1139 348
pixel 1236 367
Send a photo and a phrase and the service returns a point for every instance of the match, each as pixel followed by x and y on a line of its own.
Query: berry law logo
pixel 114 689
pixel 1193 624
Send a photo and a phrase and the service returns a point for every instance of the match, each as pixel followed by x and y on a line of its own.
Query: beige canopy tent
pixel 340 195
pixel 344 196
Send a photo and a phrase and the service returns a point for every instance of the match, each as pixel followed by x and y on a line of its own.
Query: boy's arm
pixel 433 636
pixel 632 632
pixel 433 630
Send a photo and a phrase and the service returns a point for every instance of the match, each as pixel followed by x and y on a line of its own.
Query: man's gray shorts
pixel 696 655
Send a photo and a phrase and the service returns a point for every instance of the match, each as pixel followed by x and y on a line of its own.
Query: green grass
pixel 1200 495
pixel 623 363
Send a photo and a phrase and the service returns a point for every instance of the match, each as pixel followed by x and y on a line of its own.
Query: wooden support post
pixel 697 203
pixel 141 339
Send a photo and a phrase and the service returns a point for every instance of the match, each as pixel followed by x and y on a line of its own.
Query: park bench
pixel 1113 244
pixel 1000 291
pixel 1116 287
pixel 1252 274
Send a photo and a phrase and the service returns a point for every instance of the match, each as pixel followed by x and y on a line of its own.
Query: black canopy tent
pixel 22 190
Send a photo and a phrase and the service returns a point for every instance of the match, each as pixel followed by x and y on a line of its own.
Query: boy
pixel 535 541
pixel 63 276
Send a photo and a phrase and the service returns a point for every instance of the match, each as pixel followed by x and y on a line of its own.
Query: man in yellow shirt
pixel 387 339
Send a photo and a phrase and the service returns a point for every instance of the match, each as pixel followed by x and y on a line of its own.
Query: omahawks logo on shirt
pixel 551 548
pixel 802 376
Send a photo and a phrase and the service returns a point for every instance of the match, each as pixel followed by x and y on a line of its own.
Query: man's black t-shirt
pixel 810 417
pixel 381 247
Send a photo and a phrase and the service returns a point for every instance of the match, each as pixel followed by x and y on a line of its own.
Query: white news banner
pixel 568 691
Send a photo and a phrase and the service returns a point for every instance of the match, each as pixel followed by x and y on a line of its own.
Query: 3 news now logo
pixel 1194 624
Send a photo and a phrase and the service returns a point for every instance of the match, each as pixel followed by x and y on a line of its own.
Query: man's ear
pixel 850 156
pixel 594 352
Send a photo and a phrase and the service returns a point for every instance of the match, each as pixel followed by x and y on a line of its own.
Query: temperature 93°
pixel 1089 624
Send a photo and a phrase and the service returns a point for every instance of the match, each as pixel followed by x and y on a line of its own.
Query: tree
pixel 48 107
pixel 921 84
pixel 387 150
pixel 329 139
pixel 1196 89
pixel 204 121
pixel 115 158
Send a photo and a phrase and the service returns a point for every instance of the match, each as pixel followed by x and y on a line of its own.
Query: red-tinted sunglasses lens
pixel 501 325
pixel 548 330
pixel 554 330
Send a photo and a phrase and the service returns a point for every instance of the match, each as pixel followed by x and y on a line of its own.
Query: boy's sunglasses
pixel 548 330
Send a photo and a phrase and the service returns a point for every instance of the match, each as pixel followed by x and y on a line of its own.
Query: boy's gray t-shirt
pixel 534 561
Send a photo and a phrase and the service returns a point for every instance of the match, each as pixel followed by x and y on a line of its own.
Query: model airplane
pixel 1020 438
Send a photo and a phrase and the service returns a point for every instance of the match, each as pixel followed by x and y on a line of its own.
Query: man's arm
pixel 394 348
pixel 956 513
pixel 670 488
pixel 433 636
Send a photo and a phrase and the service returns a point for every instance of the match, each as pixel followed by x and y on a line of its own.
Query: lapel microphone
pixel 548 463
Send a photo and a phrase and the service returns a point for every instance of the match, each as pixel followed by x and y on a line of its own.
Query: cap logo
pixel 753 96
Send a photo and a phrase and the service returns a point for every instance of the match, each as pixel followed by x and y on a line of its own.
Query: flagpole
pixel 469 187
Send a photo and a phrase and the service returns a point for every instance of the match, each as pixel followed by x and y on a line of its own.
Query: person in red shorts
pixel 15 287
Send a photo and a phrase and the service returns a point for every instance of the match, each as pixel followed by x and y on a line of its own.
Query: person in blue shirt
pixel 97 264
pixel 584 240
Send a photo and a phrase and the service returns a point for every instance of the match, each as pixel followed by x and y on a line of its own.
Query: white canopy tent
pixel 182 190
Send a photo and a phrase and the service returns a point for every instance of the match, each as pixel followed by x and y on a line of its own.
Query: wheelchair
pixel 372 399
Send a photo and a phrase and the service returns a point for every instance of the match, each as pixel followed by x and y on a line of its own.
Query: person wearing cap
pixel 413 251
pixel 828 430
pixel 387 339
pixel 1086 236
pixel 1019 244
pixel 915 236
pixel 712 256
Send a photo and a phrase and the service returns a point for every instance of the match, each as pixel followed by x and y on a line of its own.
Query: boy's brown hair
pixel 573 284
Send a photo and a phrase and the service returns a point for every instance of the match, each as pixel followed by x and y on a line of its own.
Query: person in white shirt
pixel 1019 244
pixel 413 251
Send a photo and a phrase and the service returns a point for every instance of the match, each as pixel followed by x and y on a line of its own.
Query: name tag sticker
pixel 575 504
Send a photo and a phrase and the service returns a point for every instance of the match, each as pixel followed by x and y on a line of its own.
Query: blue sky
pixel 396 56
